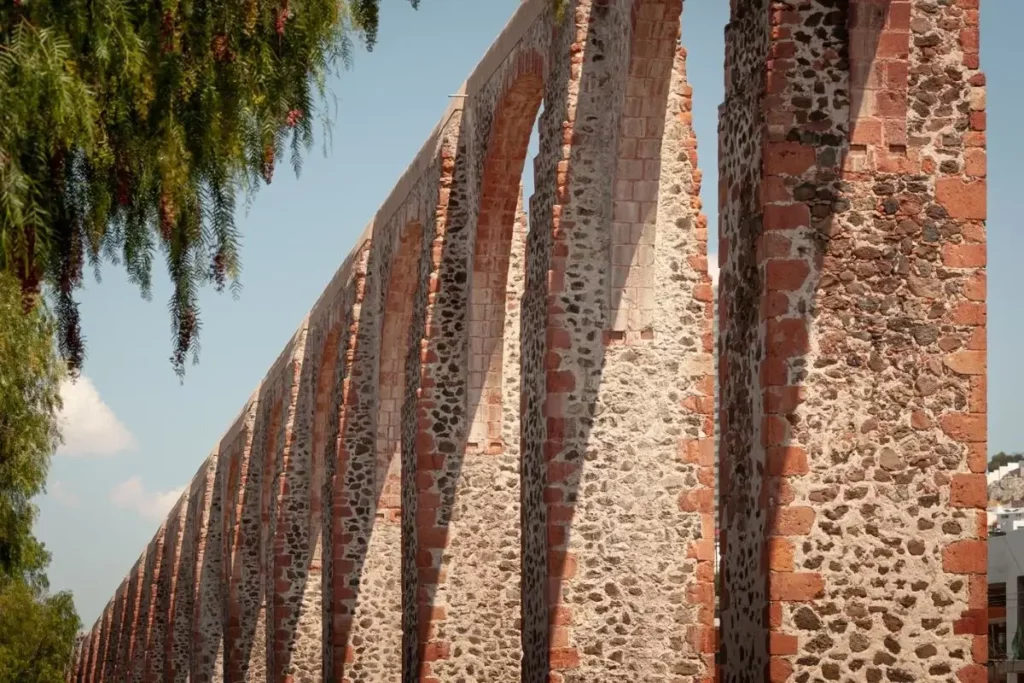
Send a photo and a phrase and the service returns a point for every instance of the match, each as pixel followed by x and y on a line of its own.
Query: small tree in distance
pixel 1000 459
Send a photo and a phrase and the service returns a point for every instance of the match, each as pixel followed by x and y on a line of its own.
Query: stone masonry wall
pixel 488 452
pixel 853 342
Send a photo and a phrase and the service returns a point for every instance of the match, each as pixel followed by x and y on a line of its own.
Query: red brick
pixel 795 586
pixel 975 288
pixel 780 554
pixel 786 216
pixel 963 427
pixel 971 622
pixel 786 461
pixel 976 162
pixel 559 381
pixel 967 362
pixel 977 402
pixel 962 199
pixel 703 292
pixel 791 521
pixel 698 452
pixel 968 491
pixel 436 650
pixel 964 255
pixel 783 400
pixel 969 313
pixel 891 103
pixel 697 500
pixel 787 338
pixel 701 550
pixel 786 275
pixel 965 557
pixel 866 131
pixel 773 430
pixel 789 158
pixel 564 658
pixel 782 644
pixel 977 457
pixel 979 649
pixel 779 670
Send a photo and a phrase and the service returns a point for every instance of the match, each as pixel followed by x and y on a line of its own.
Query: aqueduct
pixel 488 454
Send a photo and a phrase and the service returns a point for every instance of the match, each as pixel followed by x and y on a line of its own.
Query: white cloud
pixel 89 426
pixel 62 494
pixel 130 494
pixel 713 269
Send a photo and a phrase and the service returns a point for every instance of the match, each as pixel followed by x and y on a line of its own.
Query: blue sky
pixel 135 435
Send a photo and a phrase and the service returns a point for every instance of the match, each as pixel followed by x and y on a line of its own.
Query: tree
pixel 131 126
pixel 1000 459
pixel 37 630
pixel 30 377
pixel 37 633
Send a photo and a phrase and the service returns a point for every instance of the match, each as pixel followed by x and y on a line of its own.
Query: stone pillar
pixel 158 652
pixel 207 661
pixel 440 409
pixel 122 669
pixel 338 577
pixel 179 663
pixel 619 428
pixel 147 606
pixel 296 618
pixel 114 633
pixel 241 540
pixel 89 672
pixel 852 323
pixel 103 644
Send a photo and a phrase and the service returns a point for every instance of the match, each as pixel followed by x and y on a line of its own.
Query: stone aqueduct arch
pixel 488 455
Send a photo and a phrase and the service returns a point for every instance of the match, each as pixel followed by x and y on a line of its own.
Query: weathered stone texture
pixel 852 323
pixel 488 453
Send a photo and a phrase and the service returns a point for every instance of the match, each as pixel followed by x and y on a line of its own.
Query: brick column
pixel 103 643
pixel 89 672
pixel 147 602
pixel 297 618
pixel 338 569
pixel 625 404
pixel 122 669
pixel 181 634
pixel 207 662
pixel 241 497
pixel 159 656
pixel 77 660
pixel 852 328
pixel 440 415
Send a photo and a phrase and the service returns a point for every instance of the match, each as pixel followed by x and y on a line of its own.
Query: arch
pixel 638 171
pixel 515 115
pixel 394 346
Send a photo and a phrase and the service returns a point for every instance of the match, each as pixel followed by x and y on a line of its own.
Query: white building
pixel 1006 519
pixel 1005 592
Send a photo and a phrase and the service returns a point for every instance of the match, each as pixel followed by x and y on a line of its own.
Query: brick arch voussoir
pixel 504 159
pixel 395 338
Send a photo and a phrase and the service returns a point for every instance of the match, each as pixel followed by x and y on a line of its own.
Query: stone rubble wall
pixel 488 453
pixel 852 320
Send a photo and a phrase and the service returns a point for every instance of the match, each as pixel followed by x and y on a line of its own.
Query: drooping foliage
pixel 37 629
pixel 37 633
pixel 130 127
pixel 30 377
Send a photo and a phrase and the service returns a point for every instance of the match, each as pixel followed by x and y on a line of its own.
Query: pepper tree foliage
pixel 37 629
pixel 130 127
pixel 30 377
